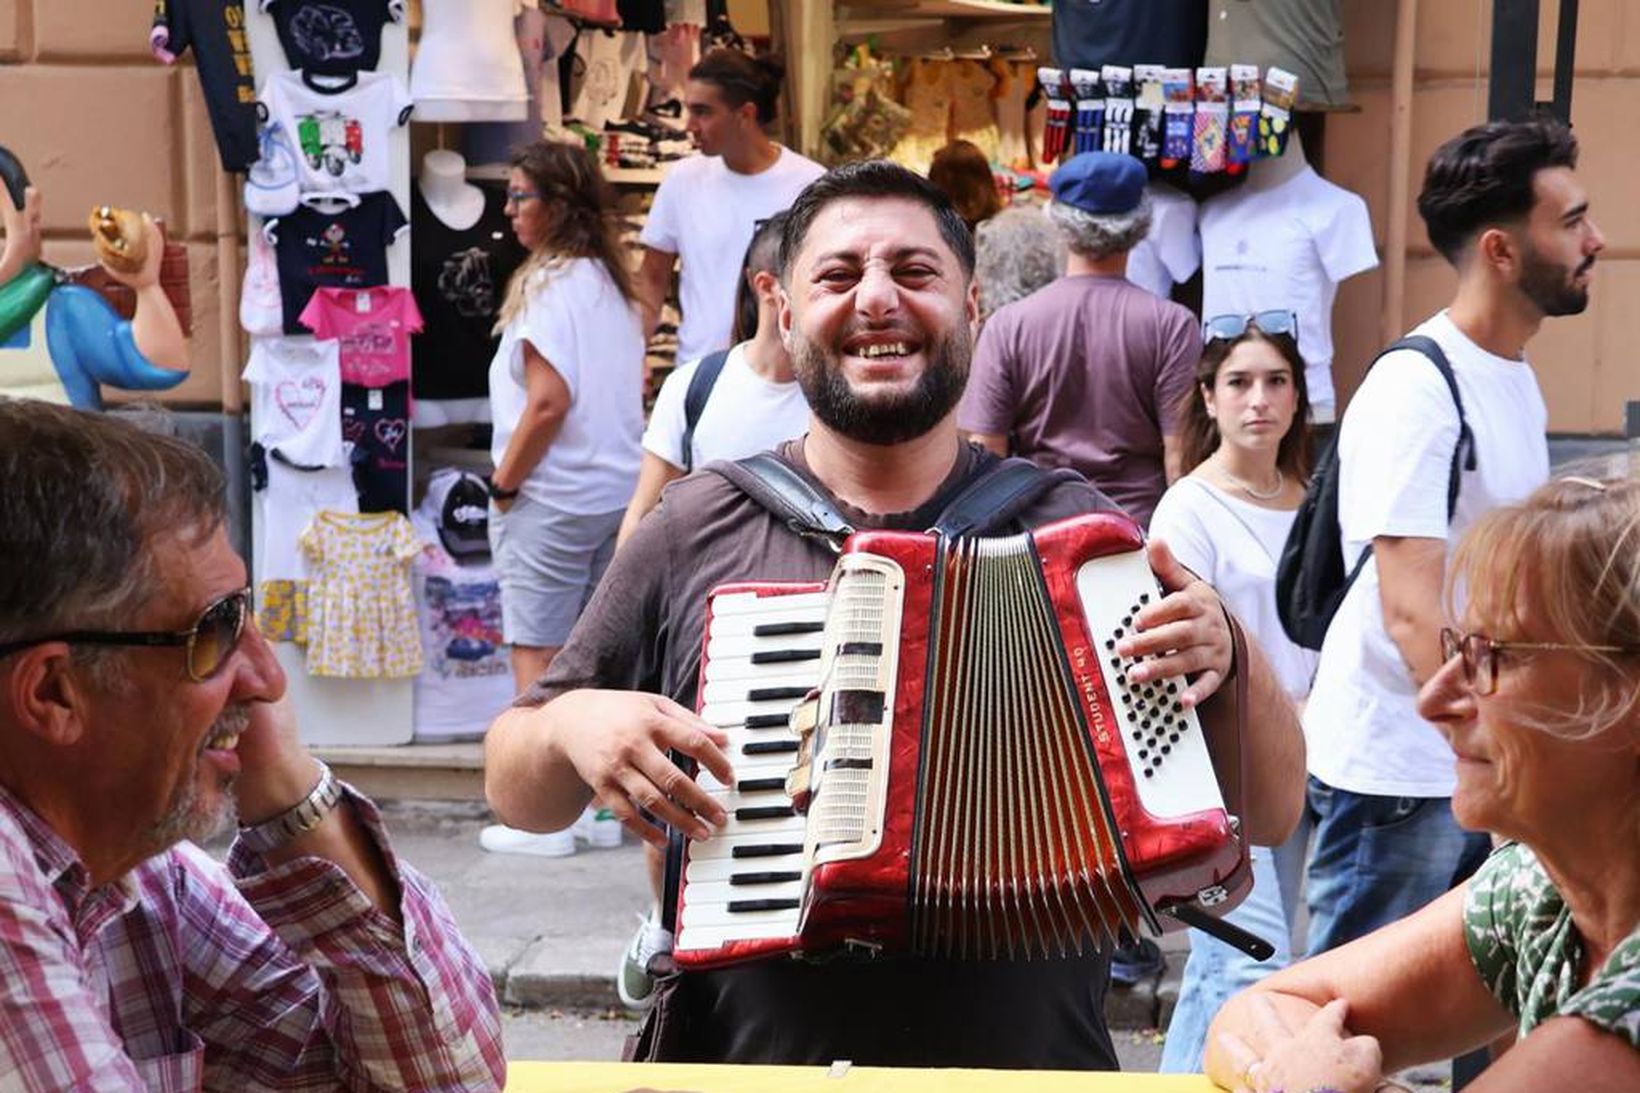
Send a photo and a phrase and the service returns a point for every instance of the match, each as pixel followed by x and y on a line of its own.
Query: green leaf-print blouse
pixel 1523 943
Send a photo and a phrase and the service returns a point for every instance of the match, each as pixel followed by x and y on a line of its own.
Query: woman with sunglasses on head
pixel 1245 451
pixel 1539 701
pixel 566 398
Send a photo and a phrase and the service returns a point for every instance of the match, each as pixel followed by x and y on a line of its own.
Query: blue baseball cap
pixel 1102 183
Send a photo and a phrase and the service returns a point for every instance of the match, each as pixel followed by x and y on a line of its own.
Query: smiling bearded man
pixel 878 305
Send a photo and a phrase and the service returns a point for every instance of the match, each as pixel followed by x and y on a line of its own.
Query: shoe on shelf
pixel 634 979
pixel 1131 963
pixel 598 828
pixel 501 839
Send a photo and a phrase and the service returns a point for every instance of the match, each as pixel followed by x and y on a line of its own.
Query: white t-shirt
pixel 468 67
pixel 468 677
pixel 577 319
pixel 1395 449
pixel 340 137
pixel 705 214
pixel 285 508
pixel 1171 251
pixel 1287 247
pixel 1234 546
pixel 296 399
pixel 744 414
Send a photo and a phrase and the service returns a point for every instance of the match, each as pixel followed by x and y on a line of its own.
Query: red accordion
pixel 939 752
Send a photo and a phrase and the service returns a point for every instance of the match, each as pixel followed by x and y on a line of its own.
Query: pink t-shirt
pixel 373 326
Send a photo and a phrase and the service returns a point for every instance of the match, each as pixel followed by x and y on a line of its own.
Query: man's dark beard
pixel 889 420
pixel 1549 288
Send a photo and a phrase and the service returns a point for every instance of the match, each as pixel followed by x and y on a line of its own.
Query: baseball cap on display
pixel 462 505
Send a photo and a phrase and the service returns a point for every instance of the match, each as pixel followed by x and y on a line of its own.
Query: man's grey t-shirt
pixel 642 631
pixel 1087 373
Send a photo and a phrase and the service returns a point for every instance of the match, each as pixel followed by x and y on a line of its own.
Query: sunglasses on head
pixel 209 641
pixel 1230 327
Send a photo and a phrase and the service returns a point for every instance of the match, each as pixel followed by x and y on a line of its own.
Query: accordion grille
pixel 1015 851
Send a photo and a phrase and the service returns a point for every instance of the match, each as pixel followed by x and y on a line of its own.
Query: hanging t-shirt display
pixel 376 425
pixel 468 674
pixel 337 240
pixel 259 304
pixel 1304 37
pixel 459 277
pixel 296 393
pixel 1171 252
pixel 361 610
pixel 215 31
pixel 332 37
pixel 1094 33
pixel 340 133
pixel 468 67
pixel 373 328
pixel 288 500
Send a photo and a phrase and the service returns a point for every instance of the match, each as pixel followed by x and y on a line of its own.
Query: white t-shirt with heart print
pixel 296 399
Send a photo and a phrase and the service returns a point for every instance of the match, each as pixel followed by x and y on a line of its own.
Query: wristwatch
pixel 300 818
pixel 499 494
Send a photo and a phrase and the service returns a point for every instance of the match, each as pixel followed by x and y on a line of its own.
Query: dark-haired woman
pixel 566 397
pixel 963 172
pixel 707 205
pixel 1245 451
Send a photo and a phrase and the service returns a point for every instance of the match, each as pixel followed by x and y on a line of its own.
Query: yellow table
pixel 527 1077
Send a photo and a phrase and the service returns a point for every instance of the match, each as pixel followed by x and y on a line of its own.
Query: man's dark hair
pixel 873 178
pixel 762 256
pixel 741 79
pixel 1482 178
pixel 82 497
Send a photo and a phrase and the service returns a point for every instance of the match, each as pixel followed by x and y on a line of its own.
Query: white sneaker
pixel 501 839
pixel 633 981
pixel 598 828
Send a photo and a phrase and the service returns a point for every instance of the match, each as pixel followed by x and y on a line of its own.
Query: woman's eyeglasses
pixel 1230 327
pixel 1480 655
pixel 209 641
pixel 518 197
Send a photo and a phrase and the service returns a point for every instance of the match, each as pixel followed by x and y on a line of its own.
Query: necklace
pixel 1281 484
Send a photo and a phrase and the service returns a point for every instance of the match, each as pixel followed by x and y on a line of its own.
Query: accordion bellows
pixel 942 754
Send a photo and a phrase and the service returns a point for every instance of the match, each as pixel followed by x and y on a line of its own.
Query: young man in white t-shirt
pixel 707 205
pixel 1503 205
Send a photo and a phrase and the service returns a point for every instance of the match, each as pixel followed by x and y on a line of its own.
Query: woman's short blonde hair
pixel 1563 566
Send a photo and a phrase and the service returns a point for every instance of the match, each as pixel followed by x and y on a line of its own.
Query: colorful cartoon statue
pixel 60 341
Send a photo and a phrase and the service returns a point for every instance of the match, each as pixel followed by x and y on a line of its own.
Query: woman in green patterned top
pixel 1539 698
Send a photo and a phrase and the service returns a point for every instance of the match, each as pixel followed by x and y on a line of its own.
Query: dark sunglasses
pixel 209 641
pixel 1230 327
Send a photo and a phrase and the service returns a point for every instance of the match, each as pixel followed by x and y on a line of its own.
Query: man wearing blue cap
pixel 1088 372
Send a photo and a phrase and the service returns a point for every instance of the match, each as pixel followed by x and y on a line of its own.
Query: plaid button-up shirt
pixel 185 975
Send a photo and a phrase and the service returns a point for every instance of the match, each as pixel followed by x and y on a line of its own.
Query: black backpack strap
pixel 694 399
pixel 1463 456
pixel 997 494
pixel 772 483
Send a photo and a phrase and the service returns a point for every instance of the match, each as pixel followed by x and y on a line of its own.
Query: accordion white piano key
pixel 738 924
pixel 732 692
pixel 745 673
pixel 747 768
pixel 755 926
pixel 726 606
pixel 722 893
pixel 722 868
pixel 1180 779
pixel 791 647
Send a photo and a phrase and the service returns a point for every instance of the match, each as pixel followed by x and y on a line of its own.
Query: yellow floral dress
pixel 361 609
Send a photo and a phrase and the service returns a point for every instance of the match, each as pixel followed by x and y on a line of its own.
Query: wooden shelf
pixel 945 9
pixel 634 176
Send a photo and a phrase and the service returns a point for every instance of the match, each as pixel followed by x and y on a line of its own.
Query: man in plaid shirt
pixel 138 702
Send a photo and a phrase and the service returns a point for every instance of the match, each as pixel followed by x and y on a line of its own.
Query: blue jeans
pixel 1378 859
pixel 1215 970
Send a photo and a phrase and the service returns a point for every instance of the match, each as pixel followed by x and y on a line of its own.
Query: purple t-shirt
pixel 1087 373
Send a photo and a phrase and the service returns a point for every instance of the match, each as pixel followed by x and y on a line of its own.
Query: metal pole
pixel 1400 170
pixel 1514 59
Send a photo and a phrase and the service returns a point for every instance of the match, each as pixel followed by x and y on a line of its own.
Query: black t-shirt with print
pixel 1090 33
pixel 459 277
pixel 332 242
pixel 376 423
pixel 332 37
pixel 215 31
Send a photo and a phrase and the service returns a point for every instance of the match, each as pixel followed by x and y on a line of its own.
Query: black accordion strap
pixel 774 484
pixel 996 495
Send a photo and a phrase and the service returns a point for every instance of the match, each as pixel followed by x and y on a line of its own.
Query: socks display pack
pixel 1212 117
pixel 1090 110
pixel 1118 81
pixel 1275 118
pixel 1147 112
pixel 1057 130
pixel 1178 116
pixel 1244 110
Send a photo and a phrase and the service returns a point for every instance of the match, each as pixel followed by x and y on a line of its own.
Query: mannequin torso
pixel 449 196
pixel 1270 172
